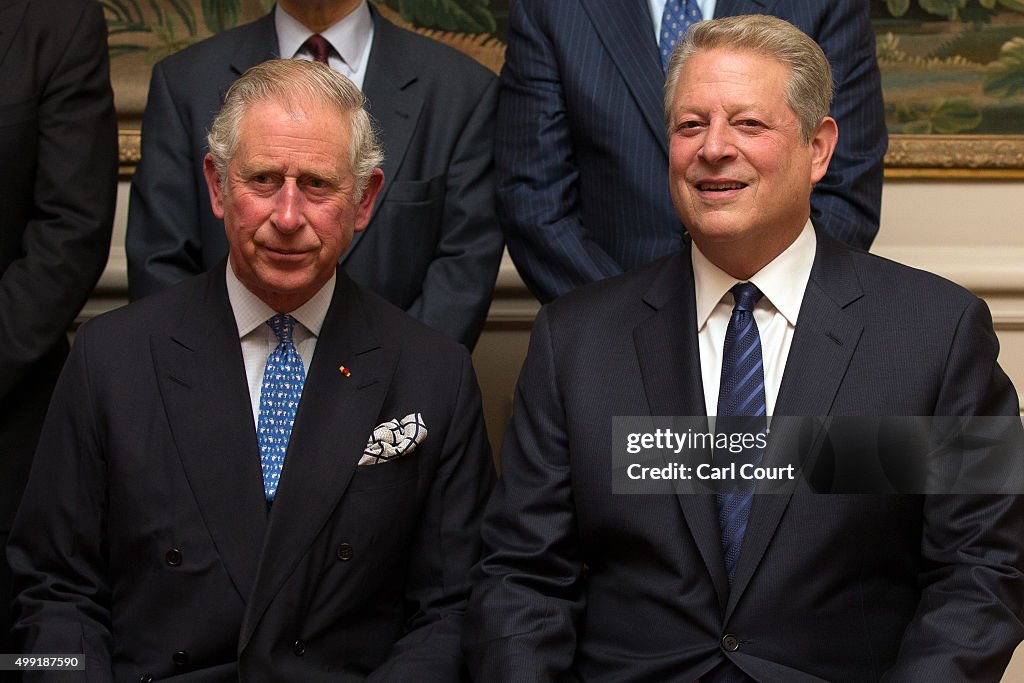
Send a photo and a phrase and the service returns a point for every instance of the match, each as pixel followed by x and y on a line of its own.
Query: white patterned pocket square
pixel 394 439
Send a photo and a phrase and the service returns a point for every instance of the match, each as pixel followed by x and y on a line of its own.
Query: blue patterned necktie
pixel 279 397
pixel 741 410
pixel 676 19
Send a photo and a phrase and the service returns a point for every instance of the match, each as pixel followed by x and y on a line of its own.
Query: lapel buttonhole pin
pixel 345 371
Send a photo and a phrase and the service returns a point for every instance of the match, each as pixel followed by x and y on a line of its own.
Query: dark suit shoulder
pixel 630 288
pixel 907 291
pixel 158 313
pixel 49 8
pixel 431 58
pixel 217 50
pixel 395 326
pixel 40 25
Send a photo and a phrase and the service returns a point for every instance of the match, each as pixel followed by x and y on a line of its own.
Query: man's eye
pixel 750 123
pixel 261 179
pixel 316 183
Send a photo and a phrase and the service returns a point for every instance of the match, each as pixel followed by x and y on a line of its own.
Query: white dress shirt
pixel 707 11
pixel 782 282
pixel 258 340
pixel 350 39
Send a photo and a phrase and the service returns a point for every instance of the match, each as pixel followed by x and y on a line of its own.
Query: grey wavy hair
pixel 291 83
pixel 809 88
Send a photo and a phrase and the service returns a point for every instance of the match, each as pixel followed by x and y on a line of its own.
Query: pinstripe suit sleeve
pixel 847 202
pixel 538 195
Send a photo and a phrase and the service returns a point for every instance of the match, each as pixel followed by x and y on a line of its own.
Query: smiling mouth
pixel 720 187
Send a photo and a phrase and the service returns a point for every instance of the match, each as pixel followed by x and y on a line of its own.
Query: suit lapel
pixel 336 415
pixel 666 346
pixel 202 383
pixel 258 44
pixel 11 14
pixel 824 342
pixel 622 25
pixel 392 102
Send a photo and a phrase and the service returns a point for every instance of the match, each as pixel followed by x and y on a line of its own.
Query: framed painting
pixel 953 81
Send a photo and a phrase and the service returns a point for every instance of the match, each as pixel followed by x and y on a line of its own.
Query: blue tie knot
pixel 282 325
pixel 747 295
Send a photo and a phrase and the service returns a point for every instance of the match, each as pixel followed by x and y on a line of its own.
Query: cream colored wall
pixel 968 231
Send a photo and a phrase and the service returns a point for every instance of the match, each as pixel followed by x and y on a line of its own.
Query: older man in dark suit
pixel 433 243
pixel 58 177
pixel 266 472
pixel 580 156
pixel 761 315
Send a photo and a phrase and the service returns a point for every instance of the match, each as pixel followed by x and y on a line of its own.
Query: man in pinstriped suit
pixel 580 150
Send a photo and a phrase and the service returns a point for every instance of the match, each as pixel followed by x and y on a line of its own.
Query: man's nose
pixel 718 142
pixel 288 210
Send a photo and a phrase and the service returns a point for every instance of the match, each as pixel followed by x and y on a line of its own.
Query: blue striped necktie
pixel 741 410
pixel 283 378
pixel 676 19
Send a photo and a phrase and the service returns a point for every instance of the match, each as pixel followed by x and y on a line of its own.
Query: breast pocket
pixel 402 241
pixel 398 472
pixel 416 191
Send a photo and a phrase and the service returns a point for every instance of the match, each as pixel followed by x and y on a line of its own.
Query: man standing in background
pixel 581 157
pixel 433 244
pixel 58 179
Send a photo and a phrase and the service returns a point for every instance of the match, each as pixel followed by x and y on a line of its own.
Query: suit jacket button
pixel 298 648
pixel 180 658
pixel 146 678
pixel 173 557
pixel 730 643
pixel 345 552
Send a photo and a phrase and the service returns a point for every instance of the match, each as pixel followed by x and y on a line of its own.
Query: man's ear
pixel 213 185
pixel 365 208
pixel 823 143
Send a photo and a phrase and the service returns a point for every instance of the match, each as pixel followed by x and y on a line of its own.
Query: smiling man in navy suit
pixel 760 315
pixel 267 472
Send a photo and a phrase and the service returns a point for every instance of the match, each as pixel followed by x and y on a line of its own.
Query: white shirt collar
pixel 349 36
pixel 782 281
pixel 250 311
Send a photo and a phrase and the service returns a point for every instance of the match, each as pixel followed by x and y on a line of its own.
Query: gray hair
pixel 292 83
pixel 809 88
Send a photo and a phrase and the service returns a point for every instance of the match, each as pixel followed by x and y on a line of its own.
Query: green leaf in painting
pixel 955 116
pixel 465 16
pixel 220 15
pixel 921 127
pixel 1005 76
pixel 945 8
pixel 1015 5
pixel 987 4
pixel 898 8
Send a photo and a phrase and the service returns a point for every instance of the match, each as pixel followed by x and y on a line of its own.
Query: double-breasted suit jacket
pixel 144 539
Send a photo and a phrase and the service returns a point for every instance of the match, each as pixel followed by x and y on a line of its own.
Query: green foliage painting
pixel 952 66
